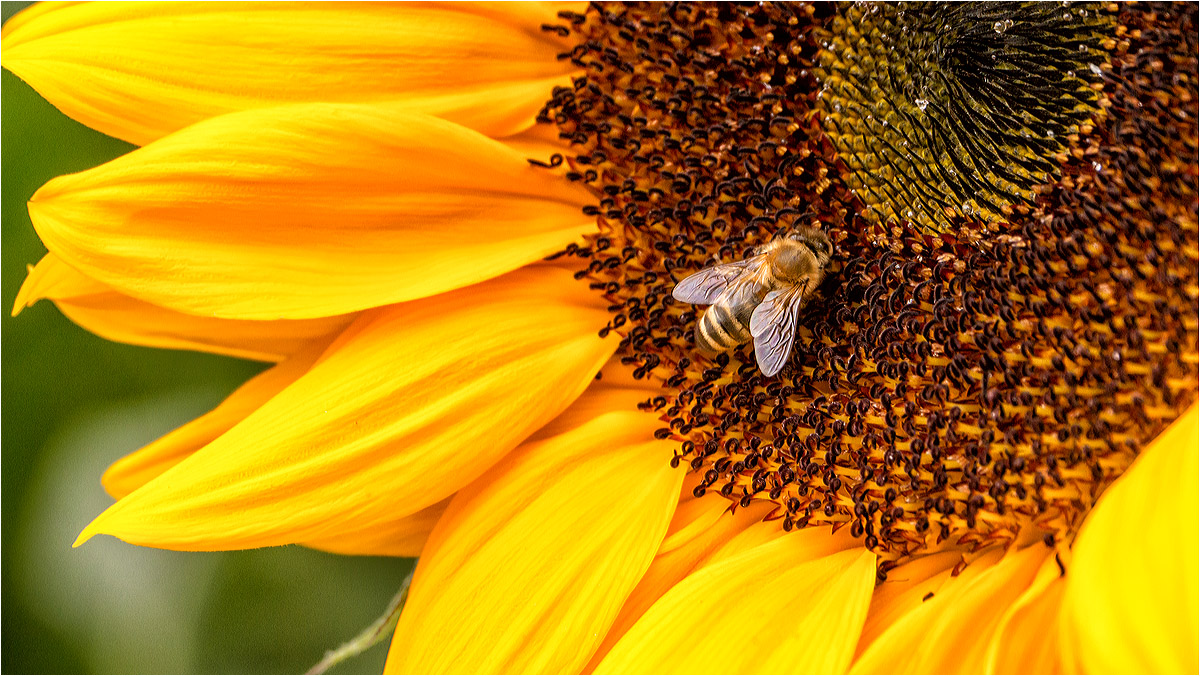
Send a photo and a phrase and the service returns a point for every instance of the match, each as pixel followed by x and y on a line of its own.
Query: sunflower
pixel 454 229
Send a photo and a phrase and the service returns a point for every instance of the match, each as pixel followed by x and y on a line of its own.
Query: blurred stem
pixel 373 634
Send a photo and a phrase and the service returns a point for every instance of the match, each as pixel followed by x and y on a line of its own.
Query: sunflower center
pixel 956 109
pixel 1010 309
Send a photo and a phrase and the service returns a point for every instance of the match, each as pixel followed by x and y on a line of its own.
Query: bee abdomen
pixel 720 330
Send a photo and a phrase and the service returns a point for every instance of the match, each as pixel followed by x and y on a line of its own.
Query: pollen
pixel 963 374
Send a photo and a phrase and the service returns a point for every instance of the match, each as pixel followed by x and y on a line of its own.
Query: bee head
pixel 816 241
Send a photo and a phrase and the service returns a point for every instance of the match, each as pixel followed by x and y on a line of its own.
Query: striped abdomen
pixel 726 324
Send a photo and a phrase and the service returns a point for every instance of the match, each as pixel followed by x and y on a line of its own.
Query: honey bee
pixel 759 297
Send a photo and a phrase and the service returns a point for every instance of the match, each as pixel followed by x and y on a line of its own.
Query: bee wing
pixel 773 326
pixel 704 287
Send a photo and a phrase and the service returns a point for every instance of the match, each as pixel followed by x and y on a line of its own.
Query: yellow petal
pixel 907 587
pixel 951 632
pixel 1026 641
pixel 307 211
pixel 770 609
pixel 677 558
pixel 140 467
pixel 411 403
pixel 540 143
pixel 115 316
pixel 531 563
pixel 758 534
pixel 1131 596
pixel 694 516
pixel 404 536
pixel 139 71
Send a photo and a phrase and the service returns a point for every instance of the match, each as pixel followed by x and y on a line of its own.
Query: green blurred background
pixel 73 404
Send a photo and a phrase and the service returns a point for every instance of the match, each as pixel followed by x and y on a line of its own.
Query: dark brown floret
pixel 954 377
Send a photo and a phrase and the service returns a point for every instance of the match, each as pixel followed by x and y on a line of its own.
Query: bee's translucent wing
pixel 704 287
pixel 773 326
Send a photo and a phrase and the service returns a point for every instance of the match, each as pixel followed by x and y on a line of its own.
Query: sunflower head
pixel 1001 328
pixel 1006 317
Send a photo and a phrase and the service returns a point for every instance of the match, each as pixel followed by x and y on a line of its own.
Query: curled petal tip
pixel 24 299
pixel 84 536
